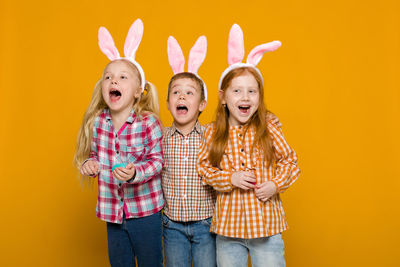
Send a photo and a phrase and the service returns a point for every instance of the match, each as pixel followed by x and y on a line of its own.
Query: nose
pixel 181 96
pixel 245 95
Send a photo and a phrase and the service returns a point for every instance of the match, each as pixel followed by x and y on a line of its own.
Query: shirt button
pixel 117 152
pixel 242 164
pixel 240 135
pixel 116 135
pixel 241 150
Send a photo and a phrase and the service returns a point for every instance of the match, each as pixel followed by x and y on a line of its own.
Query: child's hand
pixel 124 174
pixel 90 168
pixel 265 190
pixel 243 179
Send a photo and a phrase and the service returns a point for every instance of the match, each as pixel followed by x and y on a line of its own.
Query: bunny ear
pixel 197 54
pixel 107 45
pixel 257 53
pixel 175 56
pixel 133 39
pixel 235 45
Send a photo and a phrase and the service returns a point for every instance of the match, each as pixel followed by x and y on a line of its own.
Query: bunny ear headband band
pixel 196 57
pixel 236 52
pixel 132 43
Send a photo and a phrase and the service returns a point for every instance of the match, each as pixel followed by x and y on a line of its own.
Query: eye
pixel 236 90
pixel 190 93
pixel 107 77
pixel 174 92
pixel 123 77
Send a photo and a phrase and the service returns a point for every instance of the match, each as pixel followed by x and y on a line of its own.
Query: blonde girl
pixel 120 143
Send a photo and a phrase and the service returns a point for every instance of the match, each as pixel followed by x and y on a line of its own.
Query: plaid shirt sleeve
pixel 152 165
pixel 287 170
pixel 219 179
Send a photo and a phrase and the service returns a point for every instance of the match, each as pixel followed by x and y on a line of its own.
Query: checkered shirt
pixel 187 199
pixel 238 213
pixel 138 141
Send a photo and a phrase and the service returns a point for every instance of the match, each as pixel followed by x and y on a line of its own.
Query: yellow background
pixel 334 84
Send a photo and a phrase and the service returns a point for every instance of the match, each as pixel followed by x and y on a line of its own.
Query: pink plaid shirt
pixel 138 141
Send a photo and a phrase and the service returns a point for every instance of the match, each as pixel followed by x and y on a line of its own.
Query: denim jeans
pixel 187 241
pixel 140 237
pixel 265 251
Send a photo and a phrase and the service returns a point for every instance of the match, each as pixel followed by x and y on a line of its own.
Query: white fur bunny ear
pixel 133 39
pixel 175 56
pixel 257 53
pixel 197 54
pixel 107 45
pixel 235 45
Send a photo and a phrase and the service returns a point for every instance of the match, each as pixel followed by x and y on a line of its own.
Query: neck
pixel 119 118
pixel 185 128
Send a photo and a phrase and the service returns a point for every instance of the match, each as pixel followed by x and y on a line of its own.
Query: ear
pixel 133 39
pixel 257 53
pixel 202 105
pixel 197 54
pixel 175 56
pixel 221 97
pixel 235 45
pixel 107 45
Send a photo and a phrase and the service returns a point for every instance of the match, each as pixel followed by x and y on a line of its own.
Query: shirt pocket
pixel 133 153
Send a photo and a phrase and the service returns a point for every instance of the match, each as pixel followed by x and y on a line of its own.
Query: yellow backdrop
pixel 334 84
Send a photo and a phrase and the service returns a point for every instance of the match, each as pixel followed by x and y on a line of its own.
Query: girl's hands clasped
pixel 243 179
pixel 124 174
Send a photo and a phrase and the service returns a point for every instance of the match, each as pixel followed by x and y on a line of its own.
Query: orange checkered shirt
pixel 238 213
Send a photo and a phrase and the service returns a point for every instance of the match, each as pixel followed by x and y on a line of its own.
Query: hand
pixel 243 179
pixel 265 190
pixel 124 174
pixel 90 168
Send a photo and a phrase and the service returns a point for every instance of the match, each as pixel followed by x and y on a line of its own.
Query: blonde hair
pixel 258 122
pixel 146 104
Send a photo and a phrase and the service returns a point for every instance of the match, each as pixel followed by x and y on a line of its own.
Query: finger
pixel 121 173
pixel 247 185
pixel 129 166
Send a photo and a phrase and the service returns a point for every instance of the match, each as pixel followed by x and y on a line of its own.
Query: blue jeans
pixel 140 237
pixel 187 241
pixel 265 251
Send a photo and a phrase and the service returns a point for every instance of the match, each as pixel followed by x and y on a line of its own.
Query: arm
pixel 152 165
pixel 287 170
pixel 219 179
pixel 91 167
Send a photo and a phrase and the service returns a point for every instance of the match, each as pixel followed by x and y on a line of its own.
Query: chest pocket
pixel 133 153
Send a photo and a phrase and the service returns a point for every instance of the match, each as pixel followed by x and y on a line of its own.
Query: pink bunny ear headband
pixel 132 43
pixel 196 57
pixel 236 52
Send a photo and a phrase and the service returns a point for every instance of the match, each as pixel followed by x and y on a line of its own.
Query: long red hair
pixel 258 122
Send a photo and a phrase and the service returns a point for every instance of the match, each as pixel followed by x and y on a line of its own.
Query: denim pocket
pixel 165 220
pixel 207 222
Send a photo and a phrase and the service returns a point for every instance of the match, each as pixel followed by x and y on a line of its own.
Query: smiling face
pixel 120 86
pixel 185 101
pixel 242 98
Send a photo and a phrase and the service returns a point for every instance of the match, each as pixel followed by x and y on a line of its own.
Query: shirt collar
pixel 132 116
pixel 173 130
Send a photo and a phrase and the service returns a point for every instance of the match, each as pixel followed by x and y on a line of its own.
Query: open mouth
pixel 115 95
pixel 244 109
pixel 182 109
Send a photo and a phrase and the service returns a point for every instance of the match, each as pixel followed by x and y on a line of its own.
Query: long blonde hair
pixel 258 122
pixel 146 104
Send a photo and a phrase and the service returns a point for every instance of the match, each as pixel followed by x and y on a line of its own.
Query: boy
pixel 189 204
